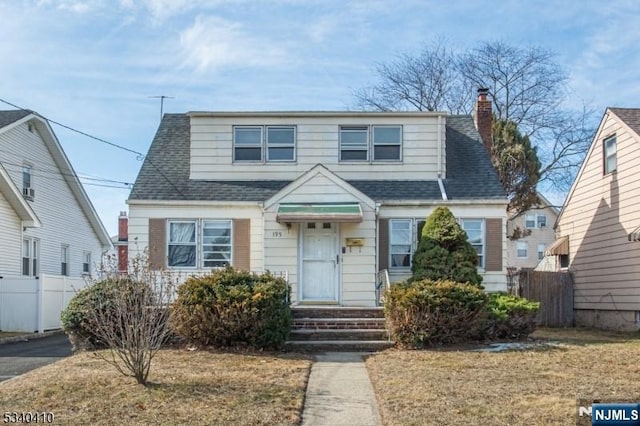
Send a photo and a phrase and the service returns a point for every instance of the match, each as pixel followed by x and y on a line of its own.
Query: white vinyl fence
pixel 34 304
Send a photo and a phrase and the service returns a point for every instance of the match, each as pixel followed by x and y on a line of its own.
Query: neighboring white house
pixel 329 197
pixel 536 226
pixel 48 226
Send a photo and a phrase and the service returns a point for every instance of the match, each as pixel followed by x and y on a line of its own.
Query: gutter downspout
pixel 442 190
pixel 439 146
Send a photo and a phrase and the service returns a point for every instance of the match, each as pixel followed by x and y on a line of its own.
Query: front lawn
pixel 530 387
pixel 194 388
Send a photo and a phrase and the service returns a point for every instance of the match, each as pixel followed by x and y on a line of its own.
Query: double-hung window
pixel 387 143
pixel 64 260
pixel 182 244
pixel 522 250
pixel 354 143
pixel 610 154
pixel 541 247
pixel 475 235
pixel 30 257
pixel 86 262
pixel 247 144
pixel 384 142
pixel 542 221
pixel 256 144
pixel 216 243
pixel 281 143
pixel 530 221
pixel 400 250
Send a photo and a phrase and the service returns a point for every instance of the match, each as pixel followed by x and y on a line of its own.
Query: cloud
pixel 212 43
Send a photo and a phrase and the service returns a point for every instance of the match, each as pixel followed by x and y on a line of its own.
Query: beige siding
pixel 492 280
pixel 544 236
pixel 317 143
pixel 600 213
pixel 63 220
pixel 10 239
pixel 139 216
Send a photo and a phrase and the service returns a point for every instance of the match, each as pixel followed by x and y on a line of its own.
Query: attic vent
pixel 30 127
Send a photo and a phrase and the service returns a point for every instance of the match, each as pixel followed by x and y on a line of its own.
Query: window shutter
pixel 383 243
pixel 242 244
pixel 157 244
pixel 493 261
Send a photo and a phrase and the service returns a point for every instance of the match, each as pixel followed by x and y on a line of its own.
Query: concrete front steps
pixel 338 328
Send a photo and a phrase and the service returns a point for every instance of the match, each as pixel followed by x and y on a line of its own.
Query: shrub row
pixel 225 308
pixel 426 313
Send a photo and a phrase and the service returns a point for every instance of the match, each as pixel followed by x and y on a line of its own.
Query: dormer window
pixel 27 182
pixel 384 143
pixel 257 144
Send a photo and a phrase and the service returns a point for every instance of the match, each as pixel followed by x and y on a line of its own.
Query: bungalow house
pixel 598 228
pixel 48 225
pixel 329 198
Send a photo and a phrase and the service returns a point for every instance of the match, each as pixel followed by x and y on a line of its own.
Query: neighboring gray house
pixel 47 223
pixel 332 198
pixel 599 226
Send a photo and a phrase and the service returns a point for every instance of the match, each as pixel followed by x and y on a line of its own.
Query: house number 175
pixel 276 234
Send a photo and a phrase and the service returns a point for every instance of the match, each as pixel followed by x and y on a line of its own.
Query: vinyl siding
pixel 140 216
pixel 63 220
pixel 544 236
pixel 317 142
pixel 600 213
pixel 10 239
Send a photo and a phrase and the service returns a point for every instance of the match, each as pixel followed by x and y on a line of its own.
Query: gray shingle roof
pixel 165 172
pixel 631 116
pixel 9 116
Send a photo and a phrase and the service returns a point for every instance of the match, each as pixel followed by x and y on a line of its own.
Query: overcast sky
pixel 95 65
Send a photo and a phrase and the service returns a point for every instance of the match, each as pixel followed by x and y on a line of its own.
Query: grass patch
pixel 516 387
pixel 195 388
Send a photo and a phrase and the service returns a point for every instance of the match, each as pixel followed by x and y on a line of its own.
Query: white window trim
pixel 526 250
pixel 200 247
pixel 538 251
pixel 168 242
pixel 533 219
pixel 280 145
pixel 607 156
pixel 264 143
pixel 370 144
pixel 539 222
pixel 85 255
pixel 483 236
pixel 34 258
pixel 412 243
pixel 64 259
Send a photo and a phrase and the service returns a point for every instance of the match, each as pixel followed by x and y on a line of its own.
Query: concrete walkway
pixel 340 392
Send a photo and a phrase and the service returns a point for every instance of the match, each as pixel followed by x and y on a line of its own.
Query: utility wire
pixel 60 178
pixel 139 155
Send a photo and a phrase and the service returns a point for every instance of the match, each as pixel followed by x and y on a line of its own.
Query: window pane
pixel 26 177
pixel 542 220
pixel 353 155
pixel 280 135
pixel 400 260
pixel 182 232
pixel 182 255
pixel 26 245
pixel 248 136
pixel 386 152
pixel 248 154
pixel 25 266
pixel 276 154
pixel 353 137
pixel 386 135
pixel 610 146
pixel 611 164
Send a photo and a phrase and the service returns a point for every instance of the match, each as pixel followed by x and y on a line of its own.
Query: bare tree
pixel 525 84
pixel 428 81
pixel 131 318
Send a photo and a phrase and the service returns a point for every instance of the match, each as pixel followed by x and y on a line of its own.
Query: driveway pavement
pixel 17 358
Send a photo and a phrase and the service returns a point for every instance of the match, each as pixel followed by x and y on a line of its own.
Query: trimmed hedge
pixel 76 320
pixel 511 316
pixel 425 313
pixel 230 307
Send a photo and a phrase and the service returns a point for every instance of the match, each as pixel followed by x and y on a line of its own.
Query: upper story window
pixel 535 221
pixel 26 176
pixel 256 144
pixel 384 143
pixel 530 221
pixel 541 221
pixel 610 154
pixel 522 250
pixel 475 235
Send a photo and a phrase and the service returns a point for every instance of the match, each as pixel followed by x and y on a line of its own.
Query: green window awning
pixel 319 213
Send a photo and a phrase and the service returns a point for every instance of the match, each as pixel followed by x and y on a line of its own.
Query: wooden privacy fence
pixel 554 291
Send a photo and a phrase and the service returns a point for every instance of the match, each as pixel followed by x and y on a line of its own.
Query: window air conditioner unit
pixel 543 225
pixel 28 192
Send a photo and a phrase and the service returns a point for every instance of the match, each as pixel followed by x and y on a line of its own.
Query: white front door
pixel 319 262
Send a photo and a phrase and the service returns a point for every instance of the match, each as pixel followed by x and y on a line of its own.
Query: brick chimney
pixel 483 118
pixel 123 242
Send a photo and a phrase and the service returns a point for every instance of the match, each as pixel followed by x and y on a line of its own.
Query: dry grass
pixel 516 388
pixel 195 388
pixel 11 334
